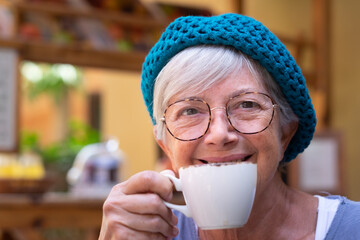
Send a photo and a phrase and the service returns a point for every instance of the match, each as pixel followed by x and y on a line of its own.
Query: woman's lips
pixel 233 158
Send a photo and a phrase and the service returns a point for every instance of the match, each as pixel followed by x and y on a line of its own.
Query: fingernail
pixel 175 231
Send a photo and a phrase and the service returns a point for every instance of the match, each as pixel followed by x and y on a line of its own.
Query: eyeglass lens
pixel 248 113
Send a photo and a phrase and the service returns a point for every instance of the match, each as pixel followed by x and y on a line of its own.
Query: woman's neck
pixel 279 212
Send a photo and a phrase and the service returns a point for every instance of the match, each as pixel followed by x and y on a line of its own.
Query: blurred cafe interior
pixel 73 122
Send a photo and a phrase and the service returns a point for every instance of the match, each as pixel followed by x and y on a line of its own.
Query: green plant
pixel 55 80
pixel 64 152
pixel 29 141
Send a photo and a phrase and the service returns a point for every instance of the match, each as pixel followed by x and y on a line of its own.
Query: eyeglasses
pixel 248 113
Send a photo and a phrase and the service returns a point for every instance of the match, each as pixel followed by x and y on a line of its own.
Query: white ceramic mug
pixel 217 196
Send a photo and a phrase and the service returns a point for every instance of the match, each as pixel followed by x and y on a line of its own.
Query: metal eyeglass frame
pixel 274 105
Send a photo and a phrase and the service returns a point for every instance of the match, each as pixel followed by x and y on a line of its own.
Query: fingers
pixel 135 209
pixel 121 232
pixel 143 213
pixel 149 223
pixel 167 171
pixel 131 234
pixel 154 205
pixel 149 181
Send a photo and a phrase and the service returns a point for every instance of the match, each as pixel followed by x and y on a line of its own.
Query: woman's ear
pixel 288 132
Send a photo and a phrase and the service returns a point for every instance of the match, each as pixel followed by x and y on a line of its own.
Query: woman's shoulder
pixel 345 203
pixel 346 221
pixel 347 210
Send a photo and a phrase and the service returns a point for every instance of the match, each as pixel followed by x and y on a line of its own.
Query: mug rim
pixel 216 164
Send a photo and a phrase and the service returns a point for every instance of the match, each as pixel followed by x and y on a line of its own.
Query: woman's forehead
pixel 224 88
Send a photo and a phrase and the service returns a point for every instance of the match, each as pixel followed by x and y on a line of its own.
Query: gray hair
pixel 213 64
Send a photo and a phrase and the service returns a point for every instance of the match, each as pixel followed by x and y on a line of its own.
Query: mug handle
pixel 181 208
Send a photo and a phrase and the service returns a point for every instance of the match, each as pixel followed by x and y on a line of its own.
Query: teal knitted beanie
pixel 250 37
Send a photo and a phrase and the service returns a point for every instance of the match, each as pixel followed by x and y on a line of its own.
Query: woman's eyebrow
pixel 232 94
pixel 244 90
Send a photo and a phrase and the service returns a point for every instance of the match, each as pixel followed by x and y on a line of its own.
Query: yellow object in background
pixel 28 166
pixel 33 172
pixel 32 166
pixel 7 162
pixel 5 169
pixel 16 170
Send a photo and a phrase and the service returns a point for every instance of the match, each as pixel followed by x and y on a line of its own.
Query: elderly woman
pixel 250 103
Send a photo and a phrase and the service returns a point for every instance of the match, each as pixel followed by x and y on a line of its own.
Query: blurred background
pixel 73 122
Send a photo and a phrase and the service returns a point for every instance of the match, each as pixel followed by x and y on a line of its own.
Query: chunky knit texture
pixel 250 37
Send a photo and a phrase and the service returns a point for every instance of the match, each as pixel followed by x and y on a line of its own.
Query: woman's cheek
pixel 180 153
pixel 268 157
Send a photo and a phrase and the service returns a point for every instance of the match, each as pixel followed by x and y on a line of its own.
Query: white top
pixel 326 212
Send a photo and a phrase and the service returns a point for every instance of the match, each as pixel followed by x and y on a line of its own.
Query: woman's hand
pixel 135 210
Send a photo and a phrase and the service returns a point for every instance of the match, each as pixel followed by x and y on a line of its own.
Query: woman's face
pixel 222 143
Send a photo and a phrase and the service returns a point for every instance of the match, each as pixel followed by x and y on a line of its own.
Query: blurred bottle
pixel 96 169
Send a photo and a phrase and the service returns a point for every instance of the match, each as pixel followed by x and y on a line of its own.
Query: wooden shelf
pixel 79 53
pixel 52 53
pixel 62 10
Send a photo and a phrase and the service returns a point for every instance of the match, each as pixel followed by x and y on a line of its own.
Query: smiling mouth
pixel 233 161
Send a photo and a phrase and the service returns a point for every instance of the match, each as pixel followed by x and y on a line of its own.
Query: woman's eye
pixel 189 111
pixel 245 106
pixel 248 104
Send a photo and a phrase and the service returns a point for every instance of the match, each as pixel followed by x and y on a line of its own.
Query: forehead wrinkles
pixel 238 84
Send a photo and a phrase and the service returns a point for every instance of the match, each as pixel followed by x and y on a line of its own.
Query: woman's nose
pixel 220 130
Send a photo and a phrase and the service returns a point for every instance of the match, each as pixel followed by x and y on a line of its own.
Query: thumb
pixel 167 171
pixel 171 173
